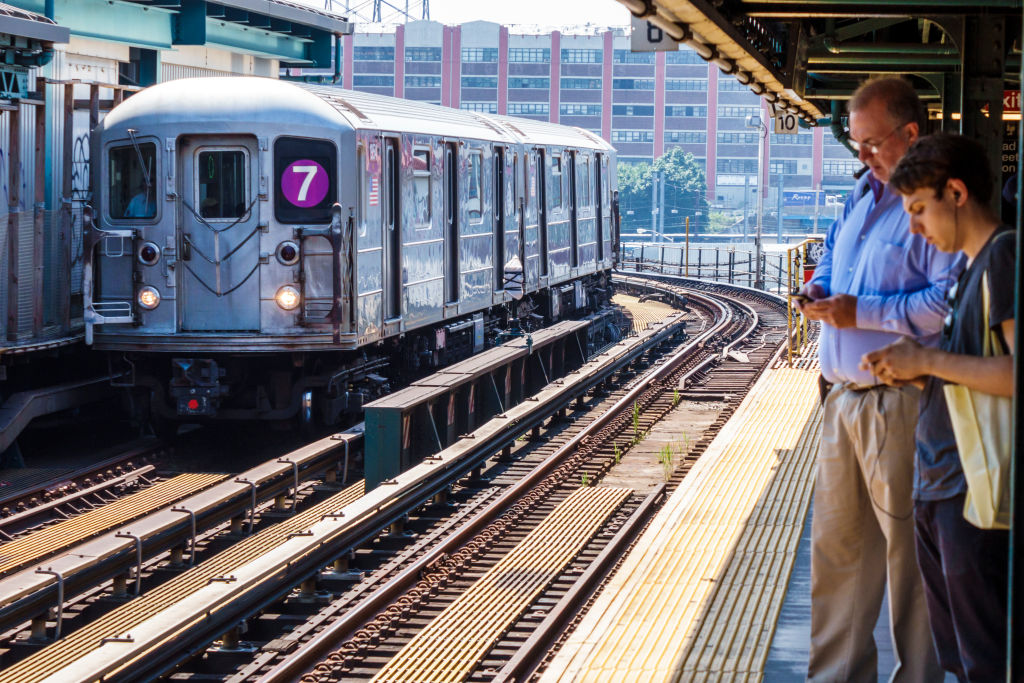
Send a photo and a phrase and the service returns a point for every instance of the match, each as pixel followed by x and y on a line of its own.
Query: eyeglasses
pixel 873 147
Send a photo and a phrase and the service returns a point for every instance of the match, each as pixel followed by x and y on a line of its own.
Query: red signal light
pixel 193 404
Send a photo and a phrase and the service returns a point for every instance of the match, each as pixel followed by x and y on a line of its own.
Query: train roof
pixel 242 98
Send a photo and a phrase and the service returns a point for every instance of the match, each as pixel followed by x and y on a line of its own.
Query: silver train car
pixel 257 248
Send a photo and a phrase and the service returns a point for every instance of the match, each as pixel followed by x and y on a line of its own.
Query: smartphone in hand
pixel 800 297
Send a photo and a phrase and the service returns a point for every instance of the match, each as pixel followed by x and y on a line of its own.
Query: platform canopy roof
pixel 808 55
pixel 295 34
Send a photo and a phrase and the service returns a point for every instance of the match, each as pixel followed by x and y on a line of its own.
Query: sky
pixel 546 12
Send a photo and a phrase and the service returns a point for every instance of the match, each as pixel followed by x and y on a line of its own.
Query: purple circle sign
pixel 304 183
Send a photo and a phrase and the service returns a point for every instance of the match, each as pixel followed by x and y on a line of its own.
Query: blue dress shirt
pixel 900 282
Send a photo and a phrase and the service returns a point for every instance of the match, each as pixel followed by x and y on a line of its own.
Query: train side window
pixel 421 188
pixel 474 194
pixel 305 183
pixel 584 184
pixel 555 198
pixel 132 181
pixel 222 190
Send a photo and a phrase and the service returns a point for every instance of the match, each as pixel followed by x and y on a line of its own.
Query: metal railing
pixel 782 272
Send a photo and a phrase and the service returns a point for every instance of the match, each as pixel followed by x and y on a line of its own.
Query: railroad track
pixel 405 622
pixel 417 576
pixel 33 497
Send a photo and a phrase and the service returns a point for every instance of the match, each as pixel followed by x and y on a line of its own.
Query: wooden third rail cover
pixel 699 594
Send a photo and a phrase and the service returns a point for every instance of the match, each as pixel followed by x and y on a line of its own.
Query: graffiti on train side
pixel 80 169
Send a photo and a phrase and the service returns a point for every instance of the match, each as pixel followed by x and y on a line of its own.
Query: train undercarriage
pixel 328 387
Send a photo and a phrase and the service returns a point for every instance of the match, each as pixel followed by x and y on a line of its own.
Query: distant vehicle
pixel 266 249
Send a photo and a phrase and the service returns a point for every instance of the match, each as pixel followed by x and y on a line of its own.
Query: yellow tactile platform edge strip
pixel 448 648
pixel 49 661
pixel 717 539
pixel 40 544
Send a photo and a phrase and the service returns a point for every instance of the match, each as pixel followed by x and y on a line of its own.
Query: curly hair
pixel 932 160
pixel 900 99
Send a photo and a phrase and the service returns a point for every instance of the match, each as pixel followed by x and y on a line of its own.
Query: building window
pixel 695 137
pixel 365 81
pixel 534 83
pixel 540 55
pixel 731 84
pixel 698 110
pixel 529 108
pixel 798 139
pixel 748 166
pixel 373 54
pixel 580 109
pixel 738 112
pixel 632 136
pixel 479 81
pixel 633 110
pixel 737 138
pixel 483 107
pixel 695 84
pixel 478 54
pixel 581 84
pixel 422 81
pixel 840 168
pixel 630 57
pixel 423 54
pixel 783 166
pixel 581 56
pixel 633 83
pixel 683 56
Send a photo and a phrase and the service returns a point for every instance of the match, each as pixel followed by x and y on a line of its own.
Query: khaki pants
pixel 862 539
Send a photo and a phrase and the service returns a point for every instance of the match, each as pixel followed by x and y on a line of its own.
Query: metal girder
pixel 981 111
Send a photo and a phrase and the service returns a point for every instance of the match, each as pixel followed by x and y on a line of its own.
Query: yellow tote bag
pixel 982 424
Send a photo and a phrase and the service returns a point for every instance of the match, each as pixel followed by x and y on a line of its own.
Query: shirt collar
pixel 877 186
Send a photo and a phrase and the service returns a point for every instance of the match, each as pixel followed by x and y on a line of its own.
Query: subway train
pixel 266 249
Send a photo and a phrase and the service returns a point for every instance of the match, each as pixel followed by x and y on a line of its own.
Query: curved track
pixel 364 618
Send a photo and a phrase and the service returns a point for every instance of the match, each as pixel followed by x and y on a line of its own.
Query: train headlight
pixel 149 254
pixel 287 297
pixel 149 298
pixel 288 253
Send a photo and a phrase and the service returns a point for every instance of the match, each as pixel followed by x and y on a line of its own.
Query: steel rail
pixel 24 594
pixel 263 581
pixel 302 659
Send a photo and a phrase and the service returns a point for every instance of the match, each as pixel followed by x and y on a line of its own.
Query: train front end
pixel 217 233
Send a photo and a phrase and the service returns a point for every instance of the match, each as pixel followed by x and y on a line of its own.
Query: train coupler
pixel 195 386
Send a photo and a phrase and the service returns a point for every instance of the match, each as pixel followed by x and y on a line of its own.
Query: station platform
pixel 699 596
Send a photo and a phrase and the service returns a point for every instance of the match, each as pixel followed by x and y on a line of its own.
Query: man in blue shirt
pixel 875 282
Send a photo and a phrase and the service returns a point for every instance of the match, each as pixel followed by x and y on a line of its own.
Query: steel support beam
pixel 982 72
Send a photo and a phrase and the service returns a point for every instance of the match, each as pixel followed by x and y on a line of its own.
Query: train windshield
pixel 221 185
pixel 133 181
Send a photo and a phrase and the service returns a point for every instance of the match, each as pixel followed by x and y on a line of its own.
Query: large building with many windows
pixel 644 103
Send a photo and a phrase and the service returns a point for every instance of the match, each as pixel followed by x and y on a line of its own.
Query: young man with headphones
pixel 946 186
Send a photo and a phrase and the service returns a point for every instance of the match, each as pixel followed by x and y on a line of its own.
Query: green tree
pixel 685 191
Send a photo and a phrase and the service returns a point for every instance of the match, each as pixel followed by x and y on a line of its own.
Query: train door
pixel 392 231
pixel 451 223
pixel 542 214
pixel 574 235
pixel 498 260
pixel 604 206
pixel 220 247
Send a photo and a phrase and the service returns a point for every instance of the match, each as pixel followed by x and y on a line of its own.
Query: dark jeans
pixel 965 583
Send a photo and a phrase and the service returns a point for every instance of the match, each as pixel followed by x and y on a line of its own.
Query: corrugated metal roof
pixel 18 22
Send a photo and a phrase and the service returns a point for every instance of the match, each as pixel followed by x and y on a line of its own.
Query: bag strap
pixel 993 344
